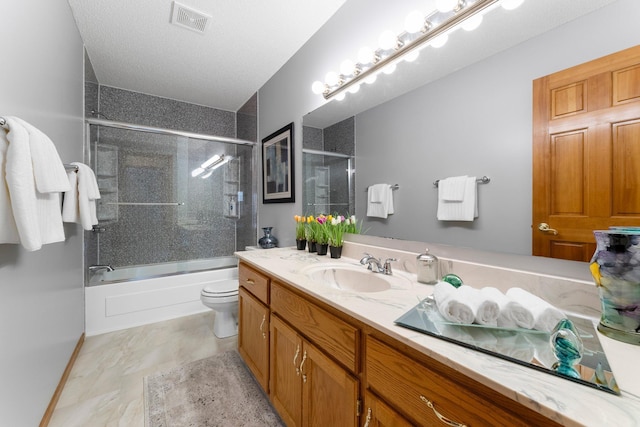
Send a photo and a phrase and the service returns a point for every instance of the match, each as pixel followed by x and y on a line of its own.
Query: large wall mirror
pixel 474 119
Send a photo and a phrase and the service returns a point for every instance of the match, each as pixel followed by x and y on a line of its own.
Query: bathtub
pixel 134 296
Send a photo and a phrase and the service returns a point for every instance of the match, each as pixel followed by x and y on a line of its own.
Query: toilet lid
pixel 221 289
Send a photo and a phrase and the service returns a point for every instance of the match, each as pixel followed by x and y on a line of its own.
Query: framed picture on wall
pixel 277 167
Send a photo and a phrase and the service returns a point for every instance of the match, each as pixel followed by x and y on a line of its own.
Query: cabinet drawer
pixel 409 386
pixel 255 282
pixel 333 335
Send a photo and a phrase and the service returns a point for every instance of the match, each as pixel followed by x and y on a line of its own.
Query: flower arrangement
pixel 341 225
pixel 322 230
pixel 300 227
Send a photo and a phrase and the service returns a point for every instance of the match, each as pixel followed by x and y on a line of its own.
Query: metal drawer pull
pixel 368 419
pixel 304 359
pixel 441 417
pixel 250 281
pixel 264 319
pixel 295 357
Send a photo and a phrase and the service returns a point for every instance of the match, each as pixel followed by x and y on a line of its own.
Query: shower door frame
pixel 350 177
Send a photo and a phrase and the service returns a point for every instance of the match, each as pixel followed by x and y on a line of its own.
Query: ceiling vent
pixel 186 17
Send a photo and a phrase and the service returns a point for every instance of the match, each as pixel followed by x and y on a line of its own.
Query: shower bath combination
pixel 172 204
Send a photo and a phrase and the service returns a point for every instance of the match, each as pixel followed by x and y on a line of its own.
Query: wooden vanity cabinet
pixel 307 387
pixel 377 413
pixel 253 322
pixel 428 395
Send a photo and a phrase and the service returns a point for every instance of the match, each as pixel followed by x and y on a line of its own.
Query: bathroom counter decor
pixel 508 384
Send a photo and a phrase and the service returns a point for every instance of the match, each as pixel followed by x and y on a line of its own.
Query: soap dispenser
pixel 427 268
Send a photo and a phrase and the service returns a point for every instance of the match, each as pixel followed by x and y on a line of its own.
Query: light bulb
pixel 414 22
pixel 511 4
pixel 346 67
pixel 388 40
pixel 197 172
pixel 354 88
pixel 340 96
pixel 317 87
pixel 472 23
pixel 370 79
pixel 439 41
pixel 207 175
pixel 446 5
pixel 389 69
pixel 365 55
pixel 331 78
pixel 411 56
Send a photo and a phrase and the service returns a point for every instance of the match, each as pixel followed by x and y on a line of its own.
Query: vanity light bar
pixel 436 24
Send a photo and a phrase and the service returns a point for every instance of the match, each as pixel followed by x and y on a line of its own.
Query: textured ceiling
pixel 133 46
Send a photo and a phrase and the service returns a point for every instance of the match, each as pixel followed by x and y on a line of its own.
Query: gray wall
pixel 476 121
pixel 41 293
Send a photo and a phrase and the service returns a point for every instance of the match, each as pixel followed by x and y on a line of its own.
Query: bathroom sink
pixel 347 277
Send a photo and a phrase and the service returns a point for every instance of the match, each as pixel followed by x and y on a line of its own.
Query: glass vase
pixel 268 241
pixel 615 268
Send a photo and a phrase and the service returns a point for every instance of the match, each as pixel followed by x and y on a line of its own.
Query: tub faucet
pixel 105 267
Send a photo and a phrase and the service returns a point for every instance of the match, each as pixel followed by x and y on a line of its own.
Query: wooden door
pixel 285 387
pixel 586 154
pixel 329 392
pixel 378 414
pixel 253 336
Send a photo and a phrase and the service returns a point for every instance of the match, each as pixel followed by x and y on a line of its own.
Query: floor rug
pixel 217 391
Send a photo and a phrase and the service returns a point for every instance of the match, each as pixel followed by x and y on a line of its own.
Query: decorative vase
pixel 268 240
pixel 312 246
pixel 336 251
pixel 322 249
pixel 301 244
pixel 615 267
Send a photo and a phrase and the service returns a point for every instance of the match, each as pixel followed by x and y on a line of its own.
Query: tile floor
pixel 105 387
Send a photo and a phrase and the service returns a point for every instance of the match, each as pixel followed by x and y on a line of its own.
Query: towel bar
pixel 71 167
pixel 393 187
pixel 145 204
pixel 484 180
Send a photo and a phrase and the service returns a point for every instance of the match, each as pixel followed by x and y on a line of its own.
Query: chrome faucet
pixel 105 267
pixel 369 260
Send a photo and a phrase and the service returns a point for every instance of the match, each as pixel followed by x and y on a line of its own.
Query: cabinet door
pixel 285 381
pixel 329 392
pixel 379 414
pixel 253 336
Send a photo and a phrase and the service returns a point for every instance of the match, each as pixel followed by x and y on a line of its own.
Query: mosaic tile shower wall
pixel 152 210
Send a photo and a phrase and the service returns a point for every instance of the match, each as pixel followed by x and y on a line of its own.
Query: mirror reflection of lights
pixel 210 165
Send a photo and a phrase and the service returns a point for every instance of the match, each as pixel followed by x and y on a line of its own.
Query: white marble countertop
pixel 563 401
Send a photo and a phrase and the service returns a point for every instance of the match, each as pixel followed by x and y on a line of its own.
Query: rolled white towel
pixel 545 316
pixel 504 320
pixel 452 305
pixel 487 309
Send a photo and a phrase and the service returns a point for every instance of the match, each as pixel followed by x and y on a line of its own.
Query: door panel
pixel 586 154
pixel 285 383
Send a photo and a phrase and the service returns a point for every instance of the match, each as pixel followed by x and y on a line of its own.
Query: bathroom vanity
pixel 336 357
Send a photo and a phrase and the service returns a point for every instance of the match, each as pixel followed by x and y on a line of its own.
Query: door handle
pixel 544 227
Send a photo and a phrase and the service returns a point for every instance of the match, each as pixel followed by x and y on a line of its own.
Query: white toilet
pixel 222 297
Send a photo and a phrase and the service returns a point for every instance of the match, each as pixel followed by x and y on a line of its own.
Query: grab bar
pixel 144 204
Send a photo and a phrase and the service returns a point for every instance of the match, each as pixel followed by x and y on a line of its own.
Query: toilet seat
pixel 222 289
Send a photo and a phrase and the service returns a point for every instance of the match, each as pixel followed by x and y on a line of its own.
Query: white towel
pixel 512 313
pixel 451 305
pixel 48 169
pixel 465 210
pixel 452 189
pixel 8 228
pixel 486 310
pixel 36 215
pixel 80 202
pixel 379 201
pixel 545 316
